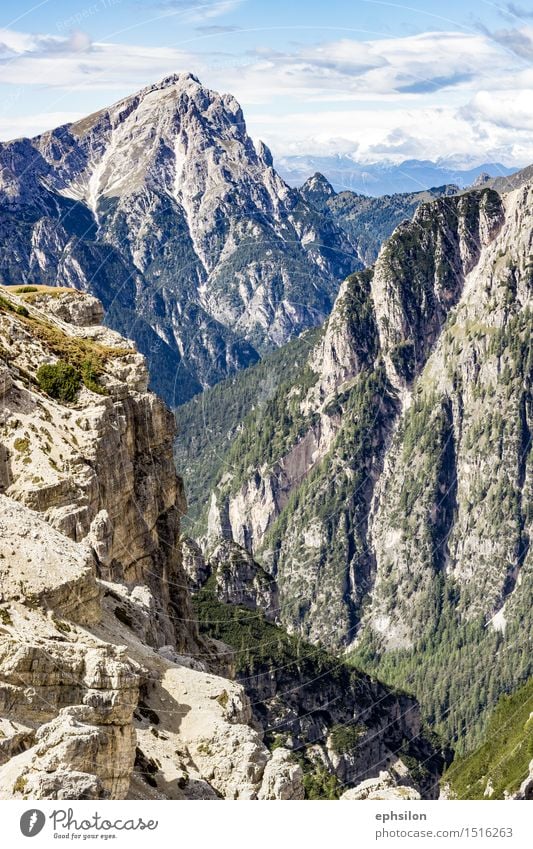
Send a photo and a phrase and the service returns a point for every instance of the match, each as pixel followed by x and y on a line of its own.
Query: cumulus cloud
pixel 470 134
pixel 73 61
pixel 418 96
pixel 378 70
pixel 497 108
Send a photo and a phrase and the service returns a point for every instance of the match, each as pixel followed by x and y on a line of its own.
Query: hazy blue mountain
pixel 383 178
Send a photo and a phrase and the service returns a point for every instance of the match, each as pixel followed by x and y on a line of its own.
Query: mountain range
pixel 163 207
pixel 345 173
pixel 343 610
pixel 384 480
pixel 112 682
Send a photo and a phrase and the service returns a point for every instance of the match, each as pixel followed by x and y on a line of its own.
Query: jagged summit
pixel 179 78
pixel 317 189
pixel 163 207
pixel 319 180
pixel 481 180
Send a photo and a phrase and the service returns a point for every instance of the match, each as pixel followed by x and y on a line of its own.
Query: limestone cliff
pixel 107 687
pixel 101 694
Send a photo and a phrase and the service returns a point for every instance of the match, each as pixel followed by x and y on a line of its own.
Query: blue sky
pixel 375 79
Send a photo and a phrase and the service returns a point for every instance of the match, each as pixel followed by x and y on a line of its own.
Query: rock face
pixel 282 778
pixel 408 512
pixel 162 207
pixel 240 580
pixel 93 586
pixel 100 470
pixel 107 688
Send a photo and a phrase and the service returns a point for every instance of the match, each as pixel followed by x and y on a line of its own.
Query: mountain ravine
pixel 110 686
pixel 163 208
pixel 387 487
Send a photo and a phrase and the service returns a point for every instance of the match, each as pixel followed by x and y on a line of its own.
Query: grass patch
pixel 5 616
pixel 74 349
pixel 20 784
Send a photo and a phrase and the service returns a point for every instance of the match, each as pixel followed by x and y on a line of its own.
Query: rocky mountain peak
pixel 317 190
pixel 481 180
pixel 162 206
pixel 149 139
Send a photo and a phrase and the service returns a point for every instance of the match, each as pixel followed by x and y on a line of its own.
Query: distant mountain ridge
pixel 383 178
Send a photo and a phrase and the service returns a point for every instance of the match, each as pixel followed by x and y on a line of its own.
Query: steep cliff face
pixel 107 688
pixel 451 524
pixel 101 693
pixel 100 469
pixel 465 513
pixel 409 527
pixel 164 209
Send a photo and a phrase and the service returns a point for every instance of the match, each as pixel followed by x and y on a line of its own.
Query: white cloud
pixel 425 96
pixel 496 107
pixel 199 10
pixel 72 61
pixel 347 69
pixel 32 125
pixel 396 134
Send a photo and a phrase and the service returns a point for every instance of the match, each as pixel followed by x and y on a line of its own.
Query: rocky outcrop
pixel 240 580
pixel 105 688
pixel 282 778
pixel 195 566
pixel 237 578
pixel 382 788
pixel 99 470
pixel 69 305
pixel 526 788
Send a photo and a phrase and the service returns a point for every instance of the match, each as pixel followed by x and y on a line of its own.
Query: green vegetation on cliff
pixel 304 697
pixel 498 766
pixel 209 423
